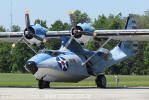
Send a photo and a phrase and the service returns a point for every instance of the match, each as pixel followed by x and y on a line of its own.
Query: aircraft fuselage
pixel 66 67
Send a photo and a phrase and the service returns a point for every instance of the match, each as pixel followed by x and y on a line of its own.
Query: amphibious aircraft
pixel 72 63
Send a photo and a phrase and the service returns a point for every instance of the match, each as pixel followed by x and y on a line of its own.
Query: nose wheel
pixel 43 84
pixel 101 81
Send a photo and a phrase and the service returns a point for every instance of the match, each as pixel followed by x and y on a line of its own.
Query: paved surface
pixel 79 93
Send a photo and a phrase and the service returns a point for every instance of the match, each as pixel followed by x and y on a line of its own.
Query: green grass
pixel 27 80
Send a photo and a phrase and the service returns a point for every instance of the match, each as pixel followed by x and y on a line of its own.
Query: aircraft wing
pixel 10 36
pixel 14 36
pixel 58 33
pixel 129 35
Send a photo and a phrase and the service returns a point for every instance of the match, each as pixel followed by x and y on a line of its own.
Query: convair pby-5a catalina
pixel 72 63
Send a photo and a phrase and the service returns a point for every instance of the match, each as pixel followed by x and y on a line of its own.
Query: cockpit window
pixel 50 52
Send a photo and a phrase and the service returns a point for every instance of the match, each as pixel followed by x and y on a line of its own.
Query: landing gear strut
pixel 101 81
pixel 43 84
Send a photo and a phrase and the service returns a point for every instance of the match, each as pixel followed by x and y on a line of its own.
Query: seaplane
pixel 71 62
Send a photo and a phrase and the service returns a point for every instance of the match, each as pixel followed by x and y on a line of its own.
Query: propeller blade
pixel 15 43
pixel 68 42
pixel 27 19
pixel 72 20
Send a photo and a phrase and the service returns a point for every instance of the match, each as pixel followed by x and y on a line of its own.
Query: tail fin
pixel 125 49
pixel 131 23
pixel 129 47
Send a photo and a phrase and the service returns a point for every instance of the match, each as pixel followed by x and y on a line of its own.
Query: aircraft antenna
pixel 11 15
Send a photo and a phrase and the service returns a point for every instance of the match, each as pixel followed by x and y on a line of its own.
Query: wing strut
pixel 96 51
pixel 26 42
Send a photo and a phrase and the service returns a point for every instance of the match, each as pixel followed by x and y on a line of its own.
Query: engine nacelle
pixel 82 27
pixel 37 30
pixel 86 27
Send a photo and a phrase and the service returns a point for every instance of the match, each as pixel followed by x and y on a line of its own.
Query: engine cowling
pixel 27 34
pixel 34 30
pixel 85 27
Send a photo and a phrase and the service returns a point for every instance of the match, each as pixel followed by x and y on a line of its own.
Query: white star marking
pixel 63 63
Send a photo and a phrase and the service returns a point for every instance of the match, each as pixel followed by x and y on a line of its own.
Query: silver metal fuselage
pixel 50 70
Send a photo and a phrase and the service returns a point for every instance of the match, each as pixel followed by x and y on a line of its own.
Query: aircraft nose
pixel 31 67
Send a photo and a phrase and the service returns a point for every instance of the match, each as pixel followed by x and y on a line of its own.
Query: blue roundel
pixel 63 64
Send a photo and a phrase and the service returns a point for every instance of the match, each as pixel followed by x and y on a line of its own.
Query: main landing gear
pixel 43 84
pixel 101 81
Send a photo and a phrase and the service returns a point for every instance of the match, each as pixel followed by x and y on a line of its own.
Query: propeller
pixel 75 31
pixel 29 32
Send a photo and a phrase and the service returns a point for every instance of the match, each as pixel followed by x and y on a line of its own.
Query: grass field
pixel 27 80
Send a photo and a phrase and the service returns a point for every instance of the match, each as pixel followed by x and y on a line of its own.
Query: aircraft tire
pixel 101 81
pixel 43 84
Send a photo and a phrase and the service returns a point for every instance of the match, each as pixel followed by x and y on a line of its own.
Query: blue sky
pixel 52 10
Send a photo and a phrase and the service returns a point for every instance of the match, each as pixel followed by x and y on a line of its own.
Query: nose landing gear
pixel 43 84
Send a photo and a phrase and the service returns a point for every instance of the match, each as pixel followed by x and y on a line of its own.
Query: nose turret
pixel 31 67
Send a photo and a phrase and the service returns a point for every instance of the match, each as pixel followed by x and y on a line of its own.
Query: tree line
pixel 13 60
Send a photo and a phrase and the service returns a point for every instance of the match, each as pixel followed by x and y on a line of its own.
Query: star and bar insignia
pixel 63 64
